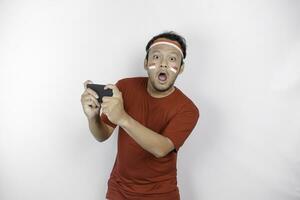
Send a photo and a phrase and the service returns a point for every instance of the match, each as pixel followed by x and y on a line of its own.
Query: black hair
pixel 171 35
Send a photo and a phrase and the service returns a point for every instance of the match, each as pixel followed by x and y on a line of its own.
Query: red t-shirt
pixel 137 174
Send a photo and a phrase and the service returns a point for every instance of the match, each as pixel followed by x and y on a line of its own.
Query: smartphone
pixel 99 89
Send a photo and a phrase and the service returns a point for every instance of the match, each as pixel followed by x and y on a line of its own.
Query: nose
pixel 163 63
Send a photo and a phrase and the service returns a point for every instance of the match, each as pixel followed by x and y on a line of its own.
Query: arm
pixel 153 142
pixel 149 140
pixel 99 129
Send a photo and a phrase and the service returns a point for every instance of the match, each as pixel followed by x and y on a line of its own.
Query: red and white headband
pixel 167 43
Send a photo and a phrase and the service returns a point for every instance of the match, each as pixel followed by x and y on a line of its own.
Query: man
pixel 154 119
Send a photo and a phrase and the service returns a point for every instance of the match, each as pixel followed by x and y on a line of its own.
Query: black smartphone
pixel 99 89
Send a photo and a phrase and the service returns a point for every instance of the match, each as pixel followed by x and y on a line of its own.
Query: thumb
pixel 87 82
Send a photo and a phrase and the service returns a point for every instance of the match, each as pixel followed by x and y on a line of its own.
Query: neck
pixel 157 94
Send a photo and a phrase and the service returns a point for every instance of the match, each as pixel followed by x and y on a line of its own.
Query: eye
pixel 173 59
pixel 155 56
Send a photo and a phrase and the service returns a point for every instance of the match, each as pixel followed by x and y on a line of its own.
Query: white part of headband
pixel 168 43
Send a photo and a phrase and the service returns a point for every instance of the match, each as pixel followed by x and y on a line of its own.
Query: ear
pixel 181 68
pixel 145 64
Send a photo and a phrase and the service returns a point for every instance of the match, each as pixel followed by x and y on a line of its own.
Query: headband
pixel 168 43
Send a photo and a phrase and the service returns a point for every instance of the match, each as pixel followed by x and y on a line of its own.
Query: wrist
pixel 93 119
pixel 124 120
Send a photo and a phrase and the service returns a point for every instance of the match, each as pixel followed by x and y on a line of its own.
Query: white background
pixel 242 71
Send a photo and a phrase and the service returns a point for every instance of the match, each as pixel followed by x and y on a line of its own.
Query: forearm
pixel 149 140
pixel 98 129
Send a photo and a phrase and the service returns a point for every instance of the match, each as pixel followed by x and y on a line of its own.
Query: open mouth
pixel 162 76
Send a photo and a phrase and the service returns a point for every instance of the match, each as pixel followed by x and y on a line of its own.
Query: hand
pixel 113 107
pixel 90 104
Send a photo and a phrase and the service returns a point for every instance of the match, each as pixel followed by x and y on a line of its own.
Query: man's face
pixel 163 66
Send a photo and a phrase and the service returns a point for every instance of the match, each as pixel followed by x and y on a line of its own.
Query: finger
pixel 90 103
pixel 105 109
pixel 107 99
pixel 92 92
pixel 87 82
pixel 89 91
pixel 89 98
pixel 104 105
pixel 115 89
pixel 95 103
pixel 85 93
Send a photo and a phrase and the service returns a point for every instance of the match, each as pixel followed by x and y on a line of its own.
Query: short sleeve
pixel 103 117
pixel 181 126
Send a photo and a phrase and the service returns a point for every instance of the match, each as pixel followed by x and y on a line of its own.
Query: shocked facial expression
pixel 163 66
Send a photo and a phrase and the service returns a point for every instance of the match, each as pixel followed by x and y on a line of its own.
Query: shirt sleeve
pixel 181 126
pixel 103 117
